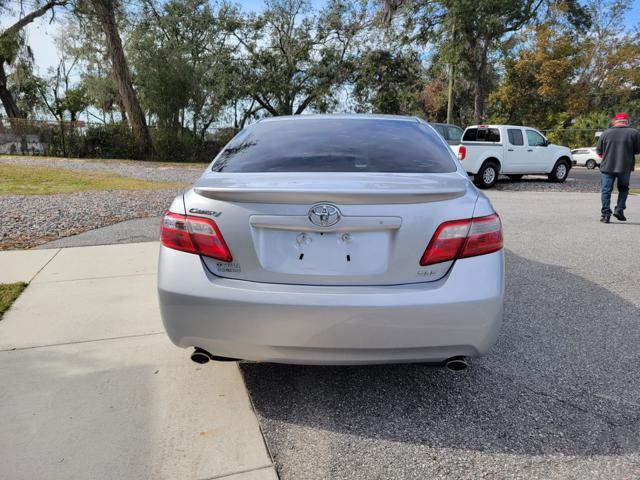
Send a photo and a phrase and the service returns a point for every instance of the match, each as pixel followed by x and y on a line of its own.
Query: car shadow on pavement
pixel 562 379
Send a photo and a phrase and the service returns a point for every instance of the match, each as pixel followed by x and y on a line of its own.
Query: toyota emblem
pixel 324 215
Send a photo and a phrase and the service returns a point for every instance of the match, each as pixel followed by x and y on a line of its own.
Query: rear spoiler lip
pixel 342 196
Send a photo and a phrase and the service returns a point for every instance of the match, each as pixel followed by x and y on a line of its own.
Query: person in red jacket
pixel 617 147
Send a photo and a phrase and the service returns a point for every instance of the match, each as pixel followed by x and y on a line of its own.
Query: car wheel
pixel 487 176
pixel 591 164
pixel 515 178
pixel 560 172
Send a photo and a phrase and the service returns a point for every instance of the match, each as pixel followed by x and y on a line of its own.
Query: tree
pixel 388 82
pixel 480 27
pixel 610 68
pixel 294 58
pixel 563 73
pixel 469 32
pixel 105 13
pixel 11 42
pixel 538 86
pixel 183 57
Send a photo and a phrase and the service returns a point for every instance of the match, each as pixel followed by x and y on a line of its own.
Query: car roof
pixel 500 125
pixel 445 124
pixel 339 116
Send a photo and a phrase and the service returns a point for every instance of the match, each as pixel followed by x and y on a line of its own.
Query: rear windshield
pixel 336 145
pixel 481 135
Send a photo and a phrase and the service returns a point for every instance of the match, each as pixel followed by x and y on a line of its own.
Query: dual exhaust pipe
pixel 201 356
pixel 457 364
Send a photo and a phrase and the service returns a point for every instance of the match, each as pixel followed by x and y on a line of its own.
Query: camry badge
pixel 324 215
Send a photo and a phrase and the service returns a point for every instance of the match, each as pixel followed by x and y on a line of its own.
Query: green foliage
pixel 114 140
pixel 581 132
pixel 388 82
pixel 75 100
pixel 104 141
pixel 563 75
pixel 25 87
pixel 538 88
pixel 102 93
pixel 563 66
pixel 9 46
pixel 297 58
pixel 183 65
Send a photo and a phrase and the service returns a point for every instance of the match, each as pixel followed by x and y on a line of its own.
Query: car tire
pixel 487 176
pixel 515 178
pixel 560 172
pixel 591 164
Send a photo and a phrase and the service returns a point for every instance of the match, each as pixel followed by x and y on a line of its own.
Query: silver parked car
pixel 333 240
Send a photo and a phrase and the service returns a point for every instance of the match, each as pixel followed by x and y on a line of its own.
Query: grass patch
pixel 8 293
pixel 36 180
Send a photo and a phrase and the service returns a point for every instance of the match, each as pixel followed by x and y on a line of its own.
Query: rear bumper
pixel 429 322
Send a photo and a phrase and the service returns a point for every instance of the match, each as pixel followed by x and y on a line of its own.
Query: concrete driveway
pixel 92 388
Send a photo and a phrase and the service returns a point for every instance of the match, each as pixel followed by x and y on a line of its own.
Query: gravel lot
pixel 558 396
pixel 31 220
pixel 537 183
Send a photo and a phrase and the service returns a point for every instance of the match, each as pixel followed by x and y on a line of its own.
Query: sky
pixel 41 33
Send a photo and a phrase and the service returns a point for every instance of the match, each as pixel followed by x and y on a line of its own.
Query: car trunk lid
pixel 365 229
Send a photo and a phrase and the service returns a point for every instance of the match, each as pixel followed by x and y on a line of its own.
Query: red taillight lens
pixel 462 152
pixel 485 236
pixel 446 243
pixel 464 238
pixel 194 235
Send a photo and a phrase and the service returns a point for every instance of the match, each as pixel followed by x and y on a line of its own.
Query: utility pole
pixel 452 72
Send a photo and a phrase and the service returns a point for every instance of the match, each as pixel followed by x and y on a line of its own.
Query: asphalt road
pixel 582 173
pixel 557 397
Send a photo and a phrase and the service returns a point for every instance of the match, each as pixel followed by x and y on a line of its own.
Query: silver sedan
pixel 333 240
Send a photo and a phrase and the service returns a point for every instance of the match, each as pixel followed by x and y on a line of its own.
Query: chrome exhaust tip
pixel 457 364
pixel 200 356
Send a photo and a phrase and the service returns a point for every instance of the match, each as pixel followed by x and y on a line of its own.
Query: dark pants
pixel 606 187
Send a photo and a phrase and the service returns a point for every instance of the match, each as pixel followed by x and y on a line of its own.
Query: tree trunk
pixel 8 102
pixel 105 12
pixel 478 98
pixel 7 99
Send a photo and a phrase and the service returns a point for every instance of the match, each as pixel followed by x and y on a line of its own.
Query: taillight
pixel 462 152
pixel 194 235
pixel 464 238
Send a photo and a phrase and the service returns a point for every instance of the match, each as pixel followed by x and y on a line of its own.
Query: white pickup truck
pixel 489 150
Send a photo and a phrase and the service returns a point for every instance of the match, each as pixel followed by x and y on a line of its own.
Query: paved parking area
pixel 91 388
pixel 593 176
pixel 558 397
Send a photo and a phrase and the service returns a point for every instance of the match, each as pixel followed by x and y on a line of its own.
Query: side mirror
pixel 546 143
